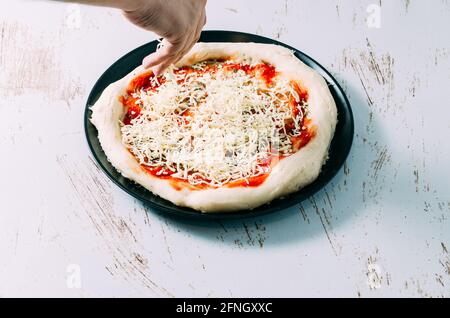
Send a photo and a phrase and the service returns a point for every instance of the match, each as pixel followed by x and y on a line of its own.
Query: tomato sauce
pixel 250 182
pixel 144 81
pixel 160 172
pixel 264 71
pixel 178 184
pixel 305 137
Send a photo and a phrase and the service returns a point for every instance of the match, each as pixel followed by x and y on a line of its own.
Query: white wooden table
pixel 380 228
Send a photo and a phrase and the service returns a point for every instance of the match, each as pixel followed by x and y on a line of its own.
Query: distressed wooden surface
pixel 380 228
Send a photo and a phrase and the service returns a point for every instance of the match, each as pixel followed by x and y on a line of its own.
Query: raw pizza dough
pixel 289 175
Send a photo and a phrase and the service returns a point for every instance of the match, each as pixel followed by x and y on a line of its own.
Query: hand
pixel 179 22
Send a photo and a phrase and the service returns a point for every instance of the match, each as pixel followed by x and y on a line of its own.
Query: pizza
pixel 232 126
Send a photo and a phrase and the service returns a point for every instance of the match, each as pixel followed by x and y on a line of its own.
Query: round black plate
pixel 339 149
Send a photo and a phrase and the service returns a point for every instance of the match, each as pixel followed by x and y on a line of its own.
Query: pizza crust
pixel 288 176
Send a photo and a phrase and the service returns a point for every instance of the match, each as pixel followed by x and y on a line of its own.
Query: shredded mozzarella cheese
pixel 213 127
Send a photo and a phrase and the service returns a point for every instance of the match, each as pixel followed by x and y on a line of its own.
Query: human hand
pixel 179 22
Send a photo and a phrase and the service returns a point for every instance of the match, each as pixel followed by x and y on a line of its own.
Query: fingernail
pixel 159 71
pixel 146 62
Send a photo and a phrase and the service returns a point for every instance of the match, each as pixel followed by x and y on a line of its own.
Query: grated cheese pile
pixel 213 127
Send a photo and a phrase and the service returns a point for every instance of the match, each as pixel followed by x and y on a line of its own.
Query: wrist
pixel 133 5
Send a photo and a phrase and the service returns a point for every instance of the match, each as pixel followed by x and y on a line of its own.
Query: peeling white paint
pixel 380 228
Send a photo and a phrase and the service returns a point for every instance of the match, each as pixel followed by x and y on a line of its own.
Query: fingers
pixel 188 45
pixel 159 69
pixel 158 57
pixel 202 23
pixel 165 56
pixel 194 37
pixel 174 48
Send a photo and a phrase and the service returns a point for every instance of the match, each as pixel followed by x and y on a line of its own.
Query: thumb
pixel 157 57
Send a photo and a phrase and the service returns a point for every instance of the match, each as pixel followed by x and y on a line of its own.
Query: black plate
pixel 339 149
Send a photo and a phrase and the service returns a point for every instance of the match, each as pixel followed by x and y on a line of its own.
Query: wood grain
pixel 380 228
